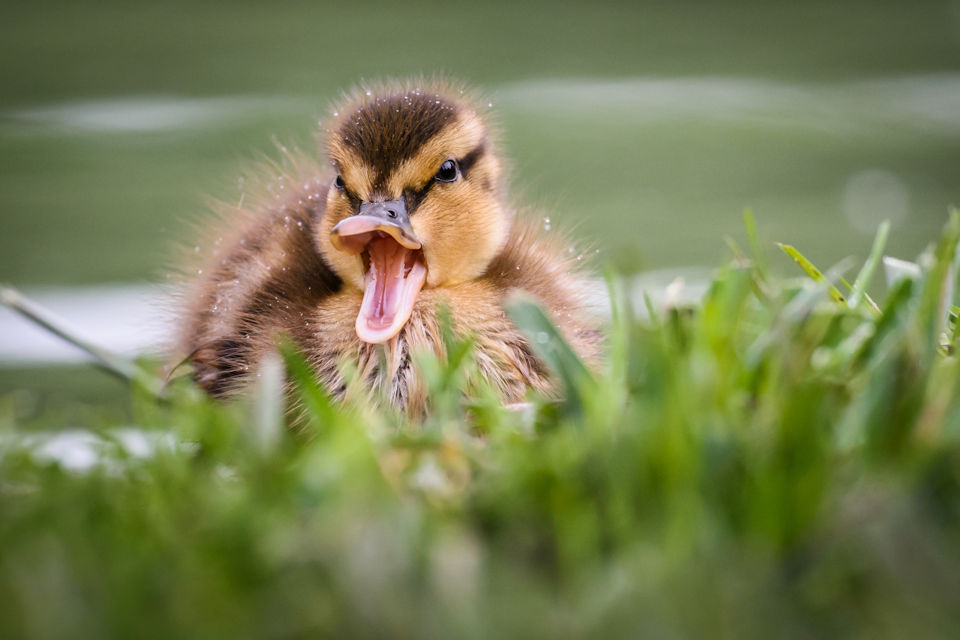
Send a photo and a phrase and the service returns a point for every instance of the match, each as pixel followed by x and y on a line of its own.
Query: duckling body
pixel 354 263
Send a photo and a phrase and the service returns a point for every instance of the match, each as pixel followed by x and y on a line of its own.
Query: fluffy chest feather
pixel 503 357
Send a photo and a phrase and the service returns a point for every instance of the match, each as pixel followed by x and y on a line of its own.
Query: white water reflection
pixel 81 450
pixel 148 114
pixel 926 102
pixel 929 102
pixel 128 319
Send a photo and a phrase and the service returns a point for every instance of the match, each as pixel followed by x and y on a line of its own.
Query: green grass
pixel 770 462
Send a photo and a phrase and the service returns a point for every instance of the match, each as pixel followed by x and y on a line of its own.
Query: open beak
pixel 394 268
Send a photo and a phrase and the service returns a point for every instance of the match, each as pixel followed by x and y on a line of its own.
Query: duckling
pixel 351 255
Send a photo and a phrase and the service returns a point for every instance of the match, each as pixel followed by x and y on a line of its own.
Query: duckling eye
pixel 338 183
pixel 448 172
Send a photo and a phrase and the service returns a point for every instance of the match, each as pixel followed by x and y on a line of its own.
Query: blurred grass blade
pixel 793 313
pixel 897 270
pixel 866 273
pixel 549 344
pixel 811 270
pixel 458 349
pixel 446 371
pixel 937 289
pixel 738 253
pixel 621 319
pixel 110 361
pixel 314 397
pixel 955 323
pixel 753 239
pixel 651 309
pixel 268 403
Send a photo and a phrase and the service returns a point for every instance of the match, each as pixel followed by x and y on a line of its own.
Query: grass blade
pixel 866 273
pixel 753 239
pixel 935 297
pixel 110 361
pixel 896 270
pixel 549 344
pixel 811 270
pixel 314 397
pixel 266 425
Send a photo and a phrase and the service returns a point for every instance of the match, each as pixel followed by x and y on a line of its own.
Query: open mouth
pixel 394 273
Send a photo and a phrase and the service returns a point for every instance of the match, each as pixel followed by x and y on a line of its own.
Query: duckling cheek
pixel 436 273
pixel 355 273
pixel 348 267
pixel 434 267
pixel 442 257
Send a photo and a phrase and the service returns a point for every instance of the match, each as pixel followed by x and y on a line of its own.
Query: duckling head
pixel 416 201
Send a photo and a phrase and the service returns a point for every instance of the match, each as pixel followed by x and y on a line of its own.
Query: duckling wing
pixel 263 276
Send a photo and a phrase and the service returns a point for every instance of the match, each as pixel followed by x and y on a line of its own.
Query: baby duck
pixel 351 257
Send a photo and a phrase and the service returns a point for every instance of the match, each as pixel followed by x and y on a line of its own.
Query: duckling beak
pixel 394 267
pixel 351 234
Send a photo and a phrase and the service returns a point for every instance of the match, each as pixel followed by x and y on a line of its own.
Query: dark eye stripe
pixel 351 196
pixel 467 161
pixel 415 197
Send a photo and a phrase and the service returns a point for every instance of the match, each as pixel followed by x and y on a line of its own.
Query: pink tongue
pixel 389 293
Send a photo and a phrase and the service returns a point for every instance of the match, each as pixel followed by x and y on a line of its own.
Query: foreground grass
pixel 783 459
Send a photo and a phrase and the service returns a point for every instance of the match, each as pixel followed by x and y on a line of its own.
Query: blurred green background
pixel 650 125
